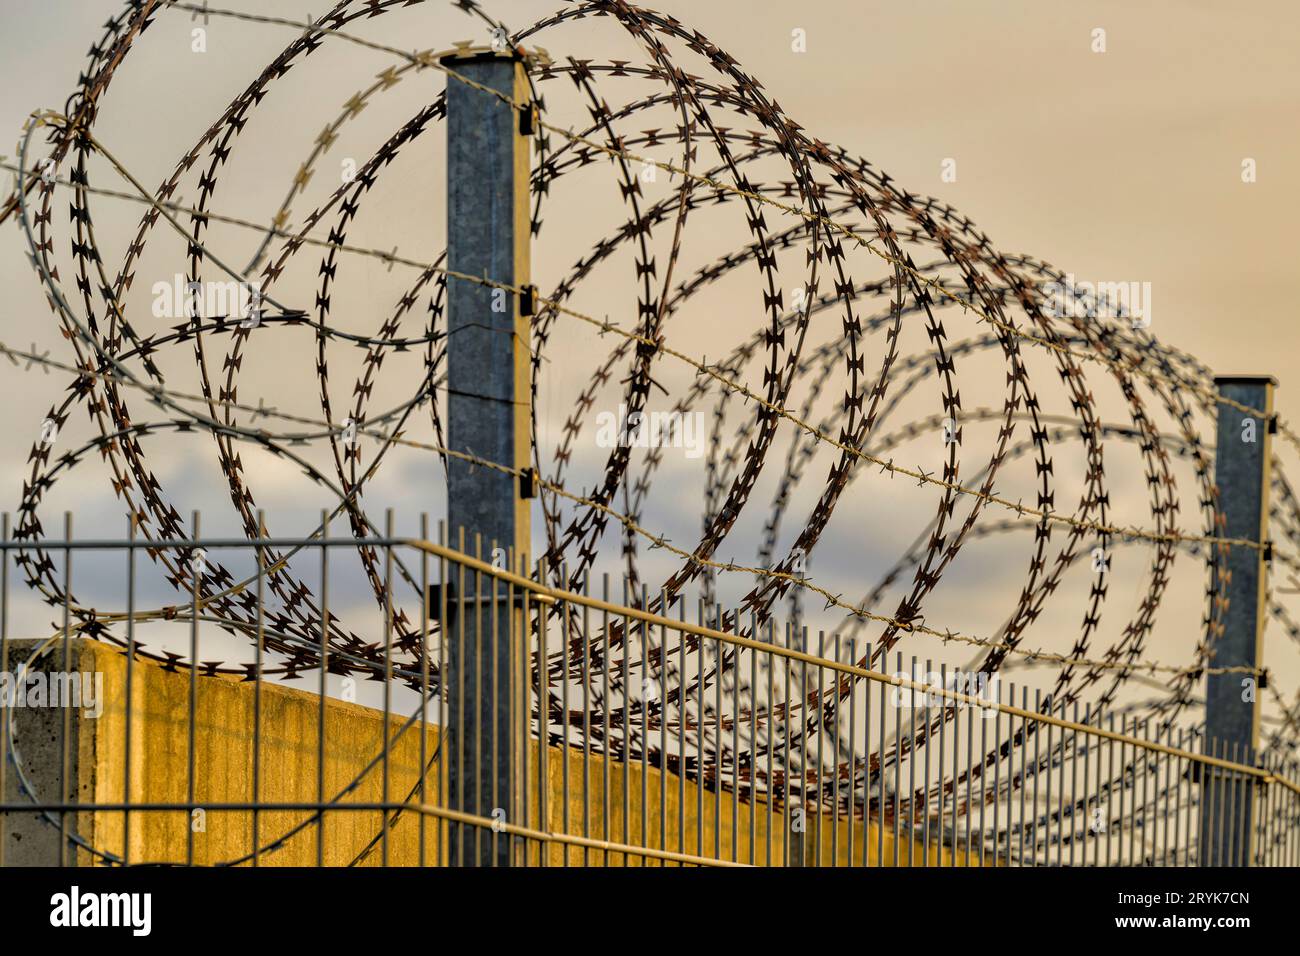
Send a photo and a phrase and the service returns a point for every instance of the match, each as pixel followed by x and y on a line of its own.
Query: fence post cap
pixel 1221 380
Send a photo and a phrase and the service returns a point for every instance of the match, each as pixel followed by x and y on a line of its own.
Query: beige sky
pixel 1117 166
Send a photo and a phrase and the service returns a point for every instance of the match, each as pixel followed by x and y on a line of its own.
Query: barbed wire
pixel 605 326
pixel 428 60
pixel 656 540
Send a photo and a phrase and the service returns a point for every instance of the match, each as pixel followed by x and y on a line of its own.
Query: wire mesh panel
pixel 654 734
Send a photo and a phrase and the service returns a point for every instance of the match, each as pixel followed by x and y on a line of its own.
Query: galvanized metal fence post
pixel 1242 466
pixel 488 418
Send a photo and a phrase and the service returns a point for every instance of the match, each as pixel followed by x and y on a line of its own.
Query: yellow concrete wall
pixel 718 809
pixel 290 722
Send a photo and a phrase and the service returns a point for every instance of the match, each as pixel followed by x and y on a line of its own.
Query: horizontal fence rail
pixel 651 739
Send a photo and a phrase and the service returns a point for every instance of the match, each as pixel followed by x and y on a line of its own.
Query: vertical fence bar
pixel 1162 843
pixel 324 684
pixel 1192 807
pixel 954 840
pixel 1178 771
pixel 943 733
pixel 683 720
pixel 719 751
pixel 1294 804
pixel 565 744
pixel 1110 792
pixel 1214 805
pixel 479 764
pixel 866 760
pixel 911 767
pixel 622 678
pixel 699 732
pixel 753 741
pixel 785 762
pixel 1087 798
pixel 821 736
pixel 835 751
pixel 853 753
pixel 196 580
pixel 543 723
pixel 990 710
pixel 1073 752
pixel 880 763
pixel 771 719
pixel 459 783
pixel 1047 812
pixel 608 746
pixel 661 695
pixel 65 738
pixel 1264 842
pixel 625 675
pixel 1024 780
pixel 447 737
pixel 1038 763
pixel 970 762
pixel 1066 739
pixel 984 749
pixel 257 689
pixel 735 751
pixel 1277 807
pixel 4 710
pixel 898 756
pixel 1099 816
pixel 585 674
pixel 1017 782
pixel 518 688
pixel 1130 730
pixel 646 686
pixel 388 679
pixel 997 766
pixel 424 688
pixel 130 677
pixel 1146 788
